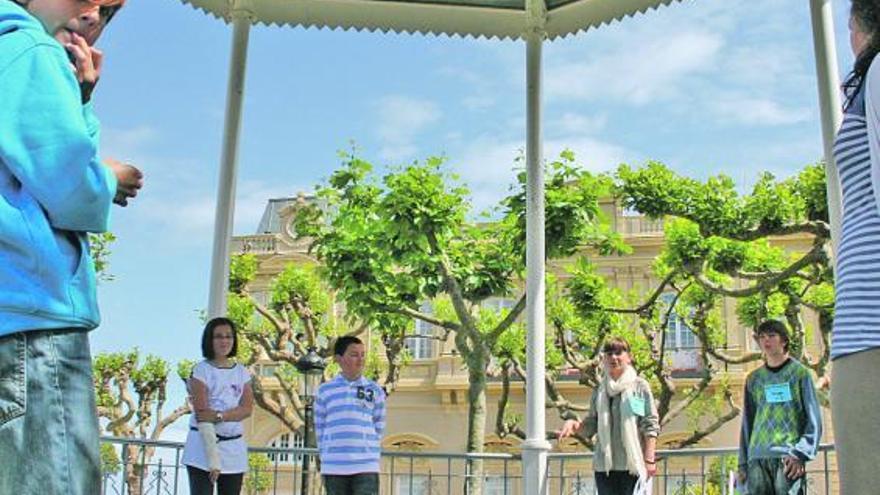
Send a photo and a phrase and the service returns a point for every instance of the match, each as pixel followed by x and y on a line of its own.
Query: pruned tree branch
pixel 816 254
pixel 508 320
pixel 702 433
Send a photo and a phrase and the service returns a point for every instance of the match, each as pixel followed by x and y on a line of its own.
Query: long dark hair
pixel 866 13
pixel 208 337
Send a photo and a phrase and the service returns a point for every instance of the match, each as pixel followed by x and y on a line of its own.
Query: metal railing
pixel 692 471
pixel 144 467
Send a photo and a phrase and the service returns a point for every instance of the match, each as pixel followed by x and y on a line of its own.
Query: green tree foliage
pixel 258 479
pixel 131 396
pixel 110 462
pixel 717 245
pixel 722 238
pixel 99 244
pixel 390 243
pixel 296 313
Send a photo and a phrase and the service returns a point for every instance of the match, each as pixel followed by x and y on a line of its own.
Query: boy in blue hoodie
pixel 53 191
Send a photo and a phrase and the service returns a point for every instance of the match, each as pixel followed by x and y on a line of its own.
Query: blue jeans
pixel 767 477
pixel 48 420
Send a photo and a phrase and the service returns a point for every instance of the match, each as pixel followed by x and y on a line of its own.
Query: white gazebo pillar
pixel 829 104
pixel 225 208
pixel 535 446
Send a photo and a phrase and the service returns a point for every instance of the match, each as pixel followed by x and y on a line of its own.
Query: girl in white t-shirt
pixel 215 450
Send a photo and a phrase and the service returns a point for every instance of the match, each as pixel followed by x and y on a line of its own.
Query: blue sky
pixel 706 86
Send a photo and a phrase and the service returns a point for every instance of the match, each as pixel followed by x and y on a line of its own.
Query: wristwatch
pixel 218 418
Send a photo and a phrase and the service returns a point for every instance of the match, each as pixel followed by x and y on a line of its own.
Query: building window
pixel 678 335
pixel 286 441
pixel 419 347
pixel 681 343
pixel 268 370
pixel 499 304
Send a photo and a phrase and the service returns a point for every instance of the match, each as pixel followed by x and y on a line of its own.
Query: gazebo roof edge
pixel 425 18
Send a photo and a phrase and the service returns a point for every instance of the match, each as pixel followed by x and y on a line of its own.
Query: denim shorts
pixel 48 419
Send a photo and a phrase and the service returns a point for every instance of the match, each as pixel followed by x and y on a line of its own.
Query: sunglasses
pixel 106 12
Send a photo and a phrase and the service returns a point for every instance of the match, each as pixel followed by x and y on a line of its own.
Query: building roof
pixel 270 222
pixel 502 19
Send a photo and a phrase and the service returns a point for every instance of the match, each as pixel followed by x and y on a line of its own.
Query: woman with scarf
pixel 624 419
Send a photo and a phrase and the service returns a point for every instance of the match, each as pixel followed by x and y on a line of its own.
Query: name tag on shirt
pixel 637 406
pixel 365 394
pixel 777 393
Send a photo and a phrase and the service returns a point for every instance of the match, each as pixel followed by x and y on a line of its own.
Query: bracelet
pixel 650 462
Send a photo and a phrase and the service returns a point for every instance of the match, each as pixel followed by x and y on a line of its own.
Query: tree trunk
pixel 477 363
pixel 137 469
pixel 134 478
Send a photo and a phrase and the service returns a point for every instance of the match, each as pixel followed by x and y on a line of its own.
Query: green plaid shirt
pixel 781 414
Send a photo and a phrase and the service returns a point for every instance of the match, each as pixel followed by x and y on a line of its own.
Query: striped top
pixel 857 275
pixel 349 424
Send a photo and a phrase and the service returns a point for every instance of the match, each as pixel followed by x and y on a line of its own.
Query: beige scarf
pixel 624 387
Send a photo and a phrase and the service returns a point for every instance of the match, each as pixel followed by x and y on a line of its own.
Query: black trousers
pixel 352 484
pixel 615 483
pixel 200 483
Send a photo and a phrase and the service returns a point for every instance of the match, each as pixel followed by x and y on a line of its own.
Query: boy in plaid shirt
pixel 781 421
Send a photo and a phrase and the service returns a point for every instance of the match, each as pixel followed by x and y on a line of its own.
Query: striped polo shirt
pixel 857 275
pixel 349 424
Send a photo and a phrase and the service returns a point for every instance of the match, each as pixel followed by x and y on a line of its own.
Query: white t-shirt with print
pixel 225 387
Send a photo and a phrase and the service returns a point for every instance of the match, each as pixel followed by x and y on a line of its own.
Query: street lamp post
pixel 311 366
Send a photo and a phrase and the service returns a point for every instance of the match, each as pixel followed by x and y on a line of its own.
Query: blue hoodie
pixel 53 188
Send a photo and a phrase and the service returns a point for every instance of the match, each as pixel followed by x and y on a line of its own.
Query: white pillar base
pixel 534 462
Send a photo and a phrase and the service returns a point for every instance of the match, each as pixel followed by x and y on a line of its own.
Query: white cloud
pixel 478 102
pixel 122 143
pixel 644 69
pixel 401 119
pixel 398 153
pixel 461 74
pixel 189 215
pixel 482 90
pixel 751 110
pixel 401 116
pixel 766 64
pixel 723 62
pixel 571 123
pixel 185 214
pixel 487 165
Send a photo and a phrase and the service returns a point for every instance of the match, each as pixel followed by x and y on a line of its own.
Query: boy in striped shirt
pixel 349 423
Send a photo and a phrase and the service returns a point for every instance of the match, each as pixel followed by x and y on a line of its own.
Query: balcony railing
pixel 255 244
pixel 639 226
pixel 154 468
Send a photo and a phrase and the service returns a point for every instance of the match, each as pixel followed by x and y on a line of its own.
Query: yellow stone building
pixel 427 412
